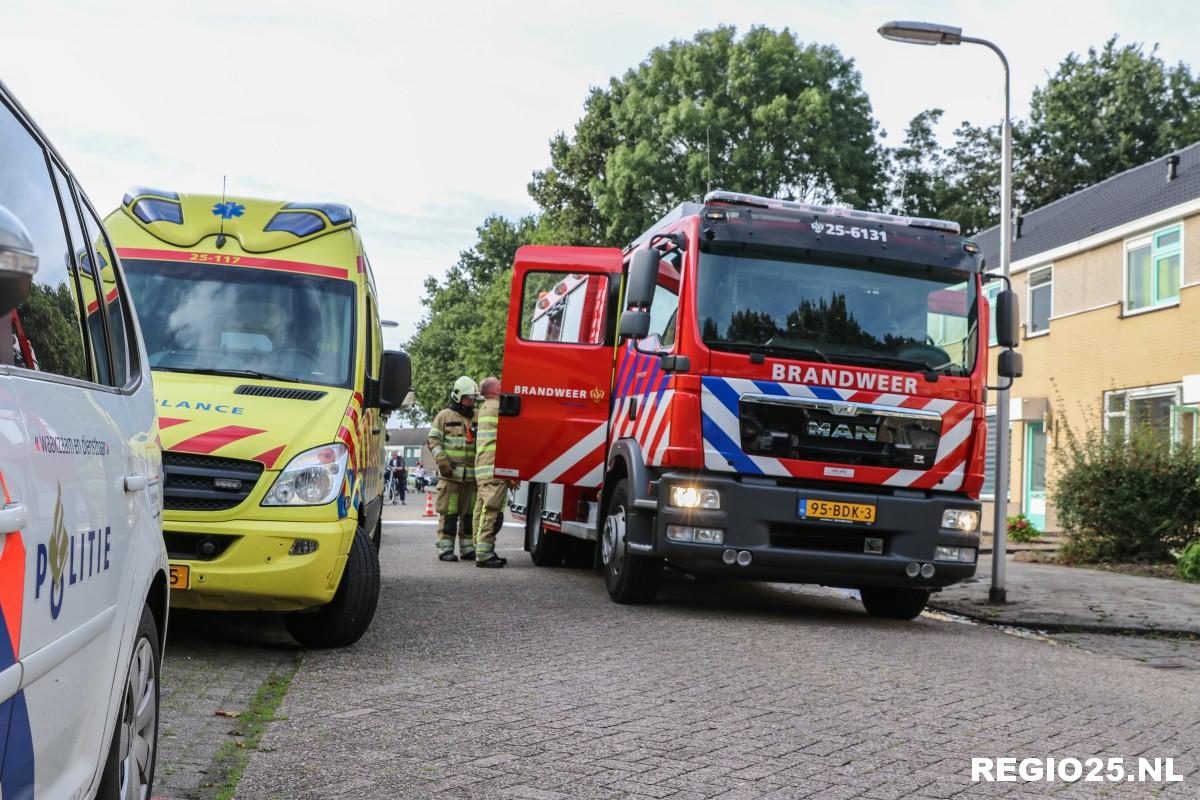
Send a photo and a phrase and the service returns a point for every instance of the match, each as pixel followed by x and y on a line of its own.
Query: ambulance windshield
pixel 911 318
pixel 251 322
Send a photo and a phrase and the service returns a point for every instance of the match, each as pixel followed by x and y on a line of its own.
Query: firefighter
pixel 491 492
pixel 452 443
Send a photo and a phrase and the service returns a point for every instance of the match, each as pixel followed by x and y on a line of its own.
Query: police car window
pixel 44 331
pixel 563 307
pixel 96 339
pixel 111 305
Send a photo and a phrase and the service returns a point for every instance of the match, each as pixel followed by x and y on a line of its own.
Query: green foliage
pixel 1188 566
pixel 1021 529
pixel 1127 501
pixel 51 321
pixel 762 114
pixel 1096 116
pixel 463 331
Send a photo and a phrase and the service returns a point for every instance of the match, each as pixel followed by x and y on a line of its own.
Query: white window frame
pixel 1174 390
pixel 1141 240
pixel 1029 287
pixel 990 290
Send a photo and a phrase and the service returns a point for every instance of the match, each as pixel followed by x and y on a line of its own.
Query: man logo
pixel 844 409
pixel 597 394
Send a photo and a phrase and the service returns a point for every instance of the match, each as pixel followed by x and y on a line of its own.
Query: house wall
pixel 1092 346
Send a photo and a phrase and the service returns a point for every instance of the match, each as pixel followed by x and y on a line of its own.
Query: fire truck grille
pixel 207 483
pixel 839 432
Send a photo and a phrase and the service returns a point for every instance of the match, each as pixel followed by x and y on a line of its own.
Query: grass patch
pixel 230 762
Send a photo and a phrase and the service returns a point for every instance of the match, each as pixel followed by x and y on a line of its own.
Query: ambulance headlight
pixel 694 497
pixel 312 478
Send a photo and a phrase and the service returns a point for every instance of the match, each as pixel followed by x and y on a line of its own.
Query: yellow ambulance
pixel 262 329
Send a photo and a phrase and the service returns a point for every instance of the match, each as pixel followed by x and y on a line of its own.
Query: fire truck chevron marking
pixel 574 454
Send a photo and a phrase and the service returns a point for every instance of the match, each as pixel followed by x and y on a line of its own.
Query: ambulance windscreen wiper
pixel 233 373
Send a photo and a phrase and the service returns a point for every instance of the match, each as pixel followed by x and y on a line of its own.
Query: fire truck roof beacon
pixel 739 199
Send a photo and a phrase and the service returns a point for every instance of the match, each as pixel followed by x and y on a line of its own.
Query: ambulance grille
pixel 207 483
pixel 279 391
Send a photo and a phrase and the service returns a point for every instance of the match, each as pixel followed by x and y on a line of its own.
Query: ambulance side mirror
pixel 18 262
pixel 395 380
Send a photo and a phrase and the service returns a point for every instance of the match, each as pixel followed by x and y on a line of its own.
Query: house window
pixel 1152 266
pixel 1041 300
pixel 1153 408
pixel 989 292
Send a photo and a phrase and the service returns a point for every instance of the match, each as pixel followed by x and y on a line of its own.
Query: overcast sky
pixel 427 117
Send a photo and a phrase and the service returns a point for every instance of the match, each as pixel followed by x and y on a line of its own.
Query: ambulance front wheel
pixel 344 620
pixel 629 578
pixel 129 769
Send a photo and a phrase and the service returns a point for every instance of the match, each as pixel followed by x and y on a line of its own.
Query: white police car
pixel 83 586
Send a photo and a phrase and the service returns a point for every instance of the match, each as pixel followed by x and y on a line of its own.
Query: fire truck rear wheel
pixel 630 579
pixel 343 620
pixel 545 547
pixel 892 602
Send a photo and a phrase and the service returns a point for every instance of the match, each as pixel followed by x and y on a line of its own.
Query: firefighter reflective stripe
pixel 485 440
pixel 451 436
pixel 722 436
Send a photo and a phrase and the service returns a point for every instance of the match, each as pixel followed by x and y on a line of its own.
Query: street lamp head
pixel 920 32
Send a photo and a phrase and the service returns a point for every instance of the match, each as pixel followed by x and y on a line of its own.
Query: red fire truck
pixel 755 388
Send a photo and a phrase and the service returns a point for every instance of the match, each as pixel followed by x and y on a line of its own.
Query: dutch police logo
pixel 68 559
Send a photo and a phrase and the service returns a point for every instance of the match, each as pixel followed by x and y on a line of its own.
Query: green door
pixel 1034 503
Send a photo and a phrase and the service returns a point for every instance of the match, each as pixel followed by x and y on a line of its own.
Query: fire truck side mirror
pixel 1008 319
pixel 635 323
pixel 643 275
pixel 18 262
pixel 395 380
pixel 1010 364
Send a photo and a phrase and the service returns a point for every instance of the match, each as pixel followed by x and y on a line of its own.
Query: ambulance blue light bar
pixel 755 201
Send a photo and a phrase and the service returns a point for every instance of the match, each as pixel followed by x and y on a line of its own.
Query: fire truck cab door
pixel 558 361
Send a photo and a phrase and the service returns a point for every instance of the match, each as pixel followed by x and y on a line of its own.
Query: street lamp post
pixel 930 34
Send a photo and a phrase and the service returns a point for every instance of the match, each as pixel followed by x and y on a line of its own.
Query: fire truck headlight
pixel 312 478
pixel 960 519
pixel 694 497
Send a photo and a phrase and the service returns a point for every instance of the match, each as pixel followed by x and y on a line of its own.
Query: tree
pixel 1097 116
pixel 463 330
pixel 760 114
pixel 918 174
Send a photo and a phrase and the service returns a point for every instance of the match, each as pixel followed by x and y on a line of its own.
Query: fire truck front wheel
pixel 629 578
pixel 891 602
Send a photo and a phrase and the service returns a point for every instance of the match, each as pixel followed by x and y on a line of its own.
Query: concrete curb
pixel 1063 627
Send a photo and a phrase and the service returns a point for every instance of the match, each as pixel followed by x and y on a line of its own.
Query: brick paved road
pixel 529 683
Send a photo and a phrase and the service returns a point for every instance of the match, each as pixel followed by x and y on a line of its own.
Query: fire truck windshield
pixel 912 318
pixel 244 322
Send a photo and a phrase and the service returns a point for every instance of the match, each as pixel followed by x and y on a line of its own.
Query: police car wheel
pixel 629 578
pixel 129 770
pixel 893 602
pixel 343 620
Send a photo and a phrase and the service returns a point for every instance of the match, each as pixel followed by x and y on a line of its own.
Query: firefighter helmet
pixel 463 387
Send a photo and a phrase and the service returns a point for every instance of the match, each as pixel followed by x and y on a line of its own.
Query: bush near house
pixel 1021 529
pixel 1188 567
pixel 1127 501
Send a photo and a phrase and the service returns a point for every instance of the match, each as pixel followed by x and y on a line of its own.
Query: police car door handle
pixel 135 482
pixel 13 517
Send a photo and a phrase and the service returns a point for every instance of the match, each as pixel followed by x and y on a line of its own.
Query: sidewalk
pixel 1069 598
